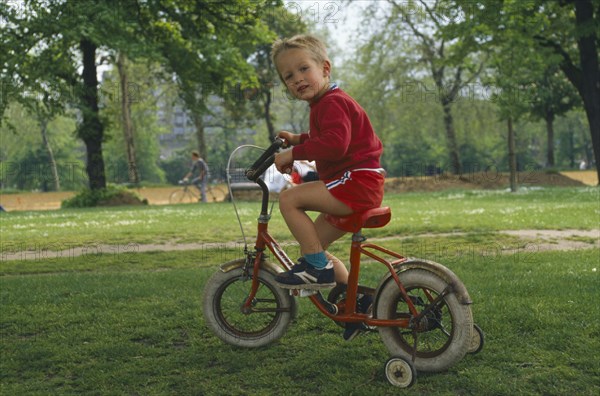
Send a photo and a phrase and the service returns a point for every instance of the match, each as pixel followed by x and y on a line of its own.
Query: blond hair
pixel 314 46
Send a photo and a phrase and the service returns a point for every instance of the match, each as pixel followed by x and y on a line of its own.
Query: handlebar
pixel 265 160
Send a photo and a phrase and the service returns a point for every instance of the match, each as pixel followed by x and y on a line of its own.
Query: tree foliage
pixel 417 71
pixel 53 46
pixel 396 75
pixel 142 94
pixel 24 162
pixel 533 37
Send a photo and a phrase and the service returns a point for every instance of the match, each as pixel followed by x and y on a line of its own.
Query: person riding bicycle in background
pixel 200 169
pixel 347 153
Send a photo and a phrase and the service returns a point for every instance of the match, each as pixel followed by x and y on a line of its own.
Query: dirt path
pixel 52 200
pixel 160 195
pixel 529 241
pixel 558 239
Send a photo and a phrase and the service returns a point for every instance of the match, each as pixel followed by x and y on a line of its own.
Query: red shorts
pixel 359 189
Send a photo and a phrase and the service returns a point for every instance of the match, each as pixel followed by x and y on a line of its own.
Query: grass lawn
pixel 413 213
pixel 131 323
pixel 136 327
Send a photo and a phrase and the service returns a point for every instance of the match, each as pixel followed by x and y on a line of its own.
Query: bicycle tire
pixel 216 194
pixel 224 294
pixel 182 195
pixel 445 336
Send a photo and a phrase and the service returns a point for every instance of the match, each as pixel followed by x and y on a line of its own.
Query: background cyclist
pixel 199 170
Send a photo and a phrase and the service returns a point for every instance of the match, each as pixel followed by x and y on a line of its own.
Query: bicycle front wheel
pixel 442 337
pixel 267 319
pixel 182 195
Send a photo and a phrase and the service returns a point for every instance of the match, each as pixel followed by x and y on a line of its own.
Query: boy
pixel 347 153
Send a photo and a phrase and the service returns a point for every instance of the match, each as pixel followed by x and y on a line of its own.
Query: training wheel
pixel 400 372
pixel 477 340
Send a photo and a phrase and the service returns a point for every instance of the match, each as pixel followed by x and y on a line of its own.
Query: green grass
pixel 491 210
pixel 413 213
pixel 133 324
pixel 130 323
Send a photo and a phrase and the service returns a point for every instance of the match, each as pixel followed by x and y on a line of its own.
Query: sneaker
pixel 363 305
pixel 299 267
pixel 305 276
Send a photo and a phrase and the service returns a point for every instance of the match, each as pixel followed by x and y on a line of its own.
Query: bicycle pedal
pixel 302 292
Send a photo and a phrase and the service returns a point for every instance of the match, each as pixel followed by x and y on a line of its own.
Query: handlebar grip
pixel 265 160
pixel 262 168
pixel 268 152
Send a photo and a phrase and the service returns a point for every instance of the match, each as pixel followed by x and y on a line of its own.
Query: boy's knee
pixel 286 196
pixel 286 201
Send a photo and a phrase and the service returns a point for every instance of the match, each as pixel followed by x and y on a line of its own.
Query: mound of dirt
pixel 474 181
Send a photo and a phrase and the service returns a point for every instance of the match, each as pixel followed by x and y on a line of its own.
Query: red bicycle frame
pixel 265 241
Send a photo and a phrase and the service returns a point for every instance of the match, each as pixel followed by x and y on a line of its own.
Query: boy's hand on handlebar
pixel 284 161
pixel 291 138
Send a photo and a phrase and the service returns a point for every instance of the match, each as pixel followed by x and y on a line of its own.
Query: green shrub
pixel 10 190
pixel 109 196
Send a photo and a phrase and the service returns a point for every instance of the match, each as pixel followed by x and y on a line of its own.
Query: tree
pixel 49 41
pixel 198 40
pixel 24 160
pixel 128 134
pixel 562 33
pixel 144 89
pixel 574 140
pixel 585 74
pixel 24 81
pixel 91 129
pixel 283 24
pixel 206 54
pixel 44 111
pixel 43 119
pixel 449 62
pixel 510 96
pixel 552 96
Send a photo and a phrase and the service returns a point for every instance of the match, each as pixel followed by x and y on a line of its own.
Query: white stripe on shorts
pixel 348 176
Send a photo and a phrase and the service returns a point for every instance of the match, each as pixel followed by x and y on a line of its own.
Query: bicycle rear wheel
pixel 443 335
pixel 216 194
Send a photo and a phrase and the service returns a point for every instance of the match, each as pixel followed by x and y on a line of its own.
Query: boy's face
pixel 302 75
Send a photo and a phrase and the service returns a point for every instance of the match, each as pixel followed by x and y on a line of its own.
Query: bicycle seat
pixel 372 218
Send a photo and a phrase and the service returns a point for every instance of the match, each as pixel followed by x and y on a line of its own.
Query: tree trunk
pixel 127 124
pixel 592 111
pixel 571 146
pixel 451 139
pixel 268 118
pixel 550 132
pixel 91 130
pixel 589 83
pixel 586 78
pixel 199 124
pixel 512 156
pixel 48 147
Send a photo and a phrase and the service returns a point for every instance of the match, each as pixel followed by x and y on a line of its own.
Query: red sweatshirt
pixel 341 137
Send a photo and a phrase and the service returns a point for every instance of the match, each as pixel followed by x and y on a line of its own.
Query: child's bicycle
pixel 188 193
pixel 420 308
